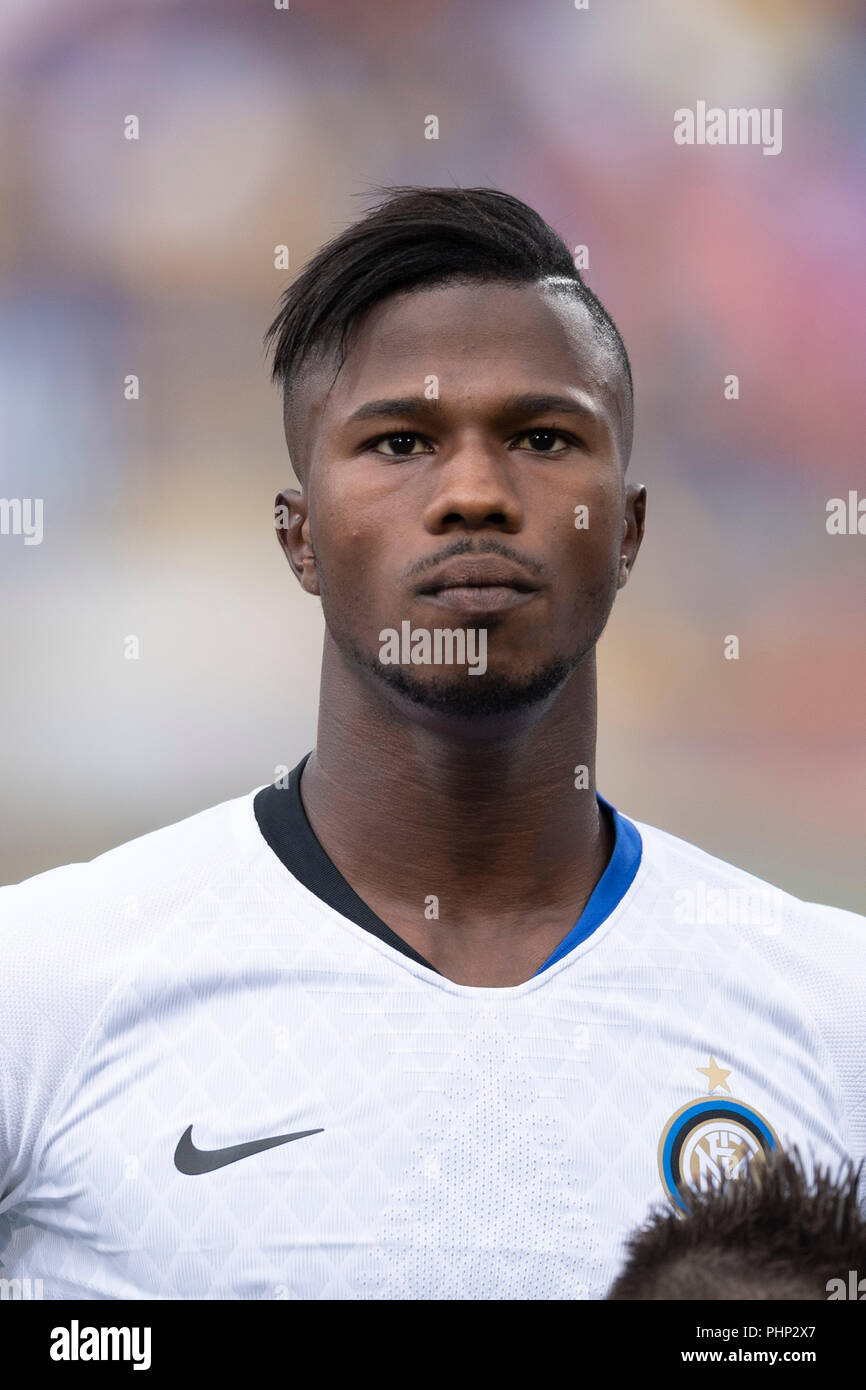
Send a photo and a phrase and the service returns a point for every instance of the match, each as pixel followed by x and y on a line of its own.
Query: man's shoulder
pixel 70 936
pixel 699 888
pixel 83 917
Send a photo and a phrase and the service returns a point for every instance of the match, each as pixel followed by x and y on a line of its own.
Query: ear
pixel 292 524
pixel 632 530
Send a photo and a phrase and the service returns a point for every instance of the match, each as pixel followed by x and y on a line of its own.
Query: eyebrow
pixel 532 403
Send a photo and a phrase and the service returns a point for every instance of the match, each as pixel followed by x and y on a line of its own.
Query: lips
pixel 481 572
pixel 478 584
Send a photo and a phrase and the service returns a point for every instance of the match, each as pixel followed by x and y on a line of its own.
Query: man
pixel 428 1018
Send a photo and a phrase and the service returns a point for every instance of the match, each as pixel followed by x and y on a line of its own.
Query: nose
pixel 473 490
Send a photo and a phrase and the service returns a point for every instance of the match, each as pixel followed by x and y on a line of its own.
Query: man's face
pixel 459 504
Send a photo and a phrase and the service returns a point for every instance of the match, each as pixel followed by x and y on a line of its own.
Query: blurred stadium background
pixel 261 127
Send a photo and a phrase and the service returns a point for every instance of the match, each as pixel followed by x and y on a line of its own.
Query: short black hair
pixel 417 237
pixel 777 1233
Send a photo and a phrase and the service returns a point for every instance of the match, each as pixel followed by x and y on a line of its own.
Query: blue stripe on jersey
pixel 611 887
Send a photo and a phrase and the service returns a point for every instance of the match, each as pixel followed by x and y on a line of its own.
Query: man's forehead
pixel 490 339
pixel 477 326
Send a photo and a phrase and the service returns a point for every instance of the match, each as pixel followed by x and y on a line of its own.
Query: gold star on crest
pixel 715 1075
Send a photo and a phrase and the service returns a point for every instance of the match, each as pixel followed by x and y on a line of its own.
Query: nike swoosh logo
pixel 189 1159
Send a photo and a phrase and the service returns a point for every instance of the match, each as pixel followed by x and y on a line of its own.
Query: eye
pixel 541 441
pixel 401 444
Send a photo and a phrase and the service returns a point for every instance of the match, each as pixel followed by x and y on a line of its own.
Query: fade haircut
pixel 776 1233
pixel 419 237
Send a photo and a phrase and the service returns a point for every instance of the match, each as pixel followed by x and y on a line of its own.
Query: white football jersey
pixel 224 1078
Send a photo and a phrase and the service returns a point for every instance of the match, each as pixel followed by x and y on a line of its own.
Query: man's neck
pixel 475 846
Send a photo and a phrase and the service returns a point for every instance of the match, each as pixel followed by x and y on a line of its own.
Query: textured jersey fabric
pixel 475 1143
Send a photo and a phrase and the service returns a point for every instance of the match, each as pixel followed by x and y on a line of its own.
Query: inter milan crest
pixel 711 1137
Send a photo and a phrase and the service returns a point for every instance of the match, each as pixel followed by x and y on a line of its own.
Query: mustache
pixel 465 546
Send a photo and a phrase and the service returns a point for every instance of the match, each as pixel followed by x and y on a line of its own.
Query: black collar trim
pixel 283 822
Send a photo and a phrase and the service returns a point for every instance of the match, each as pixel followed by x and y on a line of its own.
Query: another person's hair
pixel 777 1233
pixel 422 237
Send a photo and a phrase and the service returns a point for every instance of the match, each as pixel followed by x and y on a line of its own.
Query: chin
pixel 476 697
